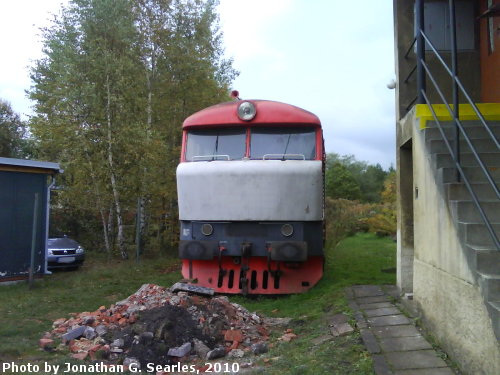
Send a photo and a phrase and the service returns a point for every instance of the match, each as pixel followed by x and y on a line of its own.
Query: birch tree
pixel 115 82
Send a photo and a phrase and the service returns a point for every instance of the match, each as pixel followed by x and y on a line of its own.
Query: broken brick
pixel 233 335
pixel 235 329
pixel 287 337
pixel 45 343
pixel 81 356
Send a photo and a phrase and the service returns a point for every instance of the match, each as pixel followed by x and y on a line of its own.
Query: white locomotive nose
pixel 259 190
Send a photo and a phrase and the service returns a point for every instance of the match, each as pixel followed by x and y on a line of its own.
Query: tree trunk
pixel 116 194
pixel 111 224
pixel 99 203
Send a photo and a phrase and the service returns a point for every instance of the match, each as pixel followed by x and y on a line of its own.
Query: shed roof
pixel 34 166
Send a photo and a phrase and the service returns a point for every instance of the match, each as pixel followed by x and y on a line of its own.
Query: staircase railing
pixel 423 71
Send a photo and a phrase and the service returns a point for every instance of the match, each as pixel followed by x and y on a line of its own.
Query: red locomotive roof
pixel 268 112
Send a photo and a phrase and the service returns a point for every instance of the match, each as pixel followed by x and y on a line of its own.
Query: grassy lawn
pixel 360 259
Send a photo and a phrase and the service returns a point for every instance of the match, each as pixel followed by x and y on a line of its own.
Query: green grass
pixel 359 259
pixel 27 314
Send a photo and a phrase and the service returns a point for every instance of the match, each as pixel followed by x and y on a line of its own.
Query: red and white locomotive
pixel 250 187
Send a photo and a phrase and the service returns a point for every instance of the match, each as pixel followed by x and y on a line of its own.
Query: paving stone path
pixel 397 347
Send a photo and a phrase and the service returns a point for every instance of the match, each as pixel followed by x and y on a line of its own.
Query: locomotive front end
pixel 250 190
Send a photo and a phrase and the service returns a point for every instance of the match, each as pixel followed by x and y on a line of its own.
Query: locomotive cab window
pixel 283 143
pixel 215 144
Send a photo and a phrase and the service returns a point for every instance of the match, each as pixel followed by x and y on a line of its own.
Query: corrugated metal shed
pixel 20 181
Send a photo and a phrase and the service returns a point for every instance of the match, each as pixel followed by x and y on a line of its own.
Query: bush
pixel 345 218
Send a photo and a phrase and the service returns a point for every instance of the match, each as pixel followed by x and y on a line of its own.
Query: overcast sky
pixel 327 56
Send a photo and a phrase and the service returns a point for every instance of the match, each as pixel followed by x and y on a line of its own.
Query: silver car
pixel 64 252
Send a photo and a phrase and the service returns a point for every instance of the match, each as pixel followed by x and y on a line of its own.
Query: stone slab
pixel 341 329
pixel 338 319
pixel 358 315
pixel 395 331
pixel 321 339
pixel 370 341
pixel 361 324
pixel 376 305
pixel 391 290
pixel 388 320
pixel 363 300
pixel 414 359
pixel 367 291
pixel 398 344
pixel 382 311
pixel 353 305
pixel 380 365
pixel 426 371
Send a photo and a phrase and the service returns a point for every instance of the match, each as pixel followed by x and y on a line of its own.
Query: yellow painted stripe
pixel 490 112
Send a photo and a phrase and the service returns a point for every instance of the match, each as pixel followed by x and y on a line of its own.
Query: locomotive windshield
pixel 283 143
pixel 215 144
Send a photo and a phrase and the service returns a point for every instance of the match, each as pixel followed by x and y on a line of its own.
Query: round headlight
pixel 287 230
pixel 207 229
pixel 79 250
pixel 246 111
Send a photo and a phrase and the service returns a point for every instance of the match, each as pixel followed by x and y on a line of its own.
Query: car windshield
pixel 283 143
pixel 215 144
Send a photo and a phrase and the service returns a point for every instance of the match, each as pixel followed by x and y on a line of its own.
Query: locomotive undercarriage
pixel 262 262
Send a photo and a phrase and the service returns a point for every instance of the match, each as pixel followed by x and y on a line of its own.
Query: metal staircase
pixel 481 252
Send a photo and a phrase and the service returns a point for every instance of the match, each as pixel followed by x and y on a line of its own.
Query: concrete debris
pixel 260 348
pixel 162 326
pixel 132 362
pixel 200 348
pixel 74 333
pixel 218 352
pixel 90 333
pixel 118 343
pixel 180 351
pixel 101 330
pixel 192 288
pixel 236 353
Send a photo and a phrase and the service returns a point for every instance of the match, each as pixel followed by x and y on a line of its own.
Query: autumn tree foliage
pixel 14 141
pixel 115 82
pixel 359 197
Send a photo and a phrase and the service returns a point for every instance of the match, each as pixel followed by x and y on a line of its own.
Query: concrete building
pixel 448 201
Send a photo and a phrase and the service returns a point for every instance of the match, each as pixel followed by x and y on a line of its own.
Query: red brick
pixel 45 343
pixel 81 356
pixel 58 322
pixel 60 330
pixel 262 331
pixel 233 335
pixel 95 348
pixel 234 345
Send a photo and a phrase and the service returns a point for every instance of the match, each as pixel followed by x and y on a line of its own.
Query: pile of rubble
pixel 162 326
